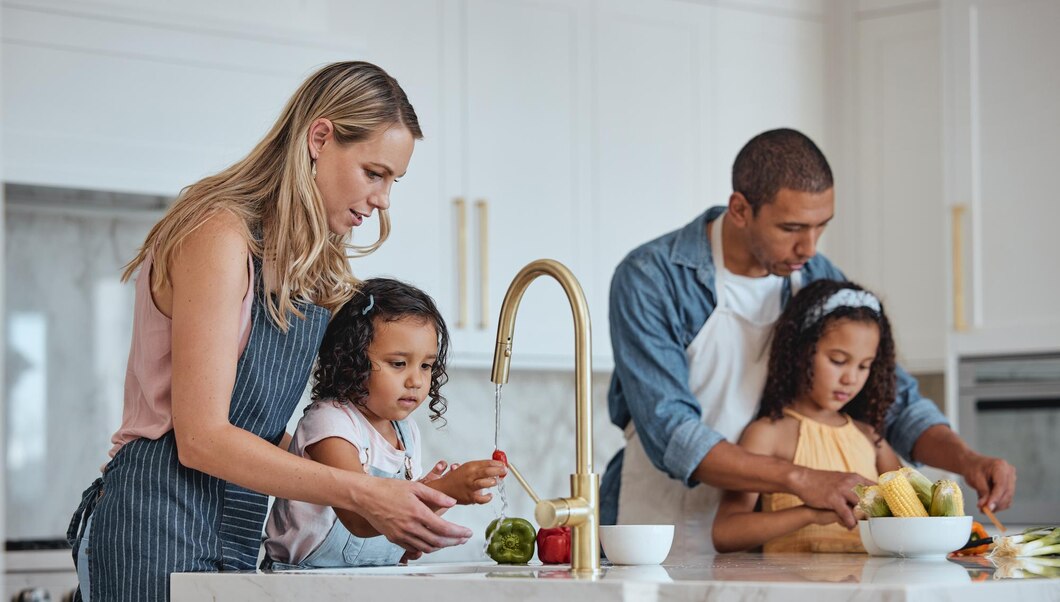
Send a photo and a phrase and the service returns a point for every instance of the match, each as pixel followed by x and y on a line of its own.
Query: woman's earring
pixel 313 168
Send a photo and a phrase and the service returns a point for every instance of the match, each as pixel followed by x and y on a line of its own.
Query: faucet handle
pixel 519 477
pixel 562 512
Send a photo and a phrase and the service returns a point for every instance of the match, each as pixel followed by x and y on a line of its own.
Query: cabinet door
pixel 898 217
pixel 147 99
pixel 767 71
pixel 404 37
pixel 1002 59
pixel 648 111
pixel 518 98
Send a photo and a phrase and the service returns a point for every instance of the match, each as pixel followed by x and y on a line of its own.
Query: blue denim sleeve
pixel 910 416
pixel 652 370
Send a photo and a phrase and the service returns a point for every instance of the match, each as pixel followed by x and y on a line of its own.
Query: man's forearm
pixel 940 447
pixel 729 466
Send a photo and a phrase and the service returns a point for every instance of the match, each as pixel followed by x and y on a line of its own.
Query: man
pixel 691 315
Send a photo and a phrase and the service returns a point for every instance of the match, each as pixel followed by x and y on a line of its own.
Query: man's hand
pixel 993 479
pixel 829 490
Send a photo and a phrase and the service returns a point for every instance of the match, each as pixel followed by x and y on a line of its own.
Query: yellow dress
pixel 843 448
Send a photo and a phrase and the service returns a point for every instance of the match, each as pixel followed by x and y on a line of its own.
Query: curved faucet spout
pixel 581 510
pixel 502 356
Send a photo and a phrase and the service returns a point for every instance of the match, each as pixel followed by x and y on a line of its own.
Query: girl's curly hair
pixel 343 366
pixel 795 344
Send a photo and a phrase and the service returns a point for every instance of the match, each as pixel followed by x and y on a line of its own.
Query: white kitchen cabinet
pixel 679 88
pixel 148 98
pixel 891 187
pixel 569 129
pixel 648 115
pixel 515 170
pixel 1002 90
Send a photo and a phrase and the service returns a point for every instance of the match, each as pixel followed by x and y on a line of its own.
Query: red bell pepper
pixel 500 456
pixel 553 545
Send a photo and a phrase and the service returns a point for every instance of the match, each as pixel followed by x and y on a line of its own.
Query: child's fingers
pixel 481 498
pixel 484 483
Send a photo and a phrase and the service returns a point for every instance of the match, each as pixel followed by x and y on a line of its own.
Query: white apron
pixel 727 364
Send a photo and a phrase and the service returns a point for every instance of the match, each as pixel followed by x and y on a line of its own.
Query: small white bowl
pixel 636 544
pixel 867 542
pixel 933 536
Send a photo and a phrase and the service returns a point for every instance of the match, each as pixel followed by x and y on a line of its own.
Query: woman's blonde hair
pixel 273 194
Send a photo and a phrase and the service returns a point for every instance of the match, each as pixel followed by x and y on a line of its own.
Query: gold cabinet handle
pixel 461 258
pixel 484 263
pixel 960 323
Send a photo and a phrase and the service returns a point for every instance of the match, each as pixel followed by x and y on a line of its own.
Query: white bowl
pixel 867 542
pixel 920 537
pixel 636 544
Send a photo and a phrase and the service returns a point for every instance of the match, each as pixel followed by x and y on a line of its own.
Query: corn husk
pixel 946 500
pixel 921 484
pixel 871 501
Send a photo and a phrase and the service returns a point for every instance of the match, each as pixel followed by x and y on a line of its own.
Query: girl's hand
pixel 402 512
pixel 466 482
pixel 435 473
pixel 822 517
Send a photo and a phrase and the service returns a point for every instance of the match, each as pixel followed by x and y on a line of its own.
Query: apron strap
pixel 717 251
pixel 405 448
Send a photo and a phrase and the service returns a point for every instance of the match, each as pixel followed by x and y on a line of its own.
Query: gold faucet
pixel 581 510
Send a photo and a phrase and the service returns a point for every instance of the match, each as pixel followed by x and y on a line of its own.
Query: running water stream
pixel 503 511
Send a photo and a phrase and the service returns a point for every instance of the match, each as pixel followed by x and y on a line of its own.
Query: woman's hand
pixel 401 512
pixel 466 482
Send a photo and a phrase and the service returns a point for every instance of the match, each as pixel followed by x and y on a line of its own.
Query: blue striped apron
pixel 151 516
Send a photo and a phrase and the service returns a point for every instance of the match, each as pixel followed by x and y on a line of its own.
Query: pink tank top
pixel 148 410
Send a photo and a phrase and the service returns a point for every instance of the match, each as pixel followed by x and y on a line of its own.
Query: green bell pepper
pixel 511 542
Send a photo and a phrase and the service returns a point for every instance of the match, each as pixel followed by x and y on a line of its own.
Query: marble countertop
pixel 758 577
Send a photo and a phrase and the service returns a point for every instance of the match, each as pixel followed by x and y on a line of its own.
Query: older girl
pixel 831 381
pixel 235 287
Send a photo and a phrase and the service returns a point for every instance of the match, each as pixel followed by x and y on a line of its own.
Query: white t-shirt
pixel 295 528
pixel 756 300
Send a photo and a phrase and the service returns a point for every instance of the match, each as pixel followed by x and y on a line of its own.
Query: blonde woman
pixel 236 285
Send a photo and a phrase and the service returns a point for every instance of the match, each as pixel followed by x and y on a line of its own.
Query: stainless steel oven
pixel 1009 406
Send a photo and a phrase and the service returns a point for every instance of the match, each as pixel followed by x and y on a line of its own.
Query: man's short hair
pixel 778 159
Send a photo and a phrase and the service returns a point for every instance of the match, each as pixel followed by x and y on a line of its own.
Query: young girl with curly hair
pixel 831 381
pixel 383 354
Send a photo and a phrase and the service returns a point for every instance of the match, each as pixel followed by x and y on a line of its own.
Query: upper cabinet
pixel 567 129
pixel 678 89
pixel 890 218
pixel 1002 66
pixel 516 177
pixel 146 96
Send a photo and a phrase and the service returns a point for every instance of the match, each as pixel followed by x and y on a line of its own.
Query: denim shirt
pixel 662 294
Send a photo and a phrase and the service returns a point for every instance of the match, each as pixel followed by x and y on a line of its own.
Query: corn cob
pixel 947 499
pixel 871 501
pixel 921 484
pixel 900 496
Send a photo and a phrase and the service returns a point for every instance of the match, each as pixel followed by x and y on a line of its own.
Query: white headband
pixel 846 297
